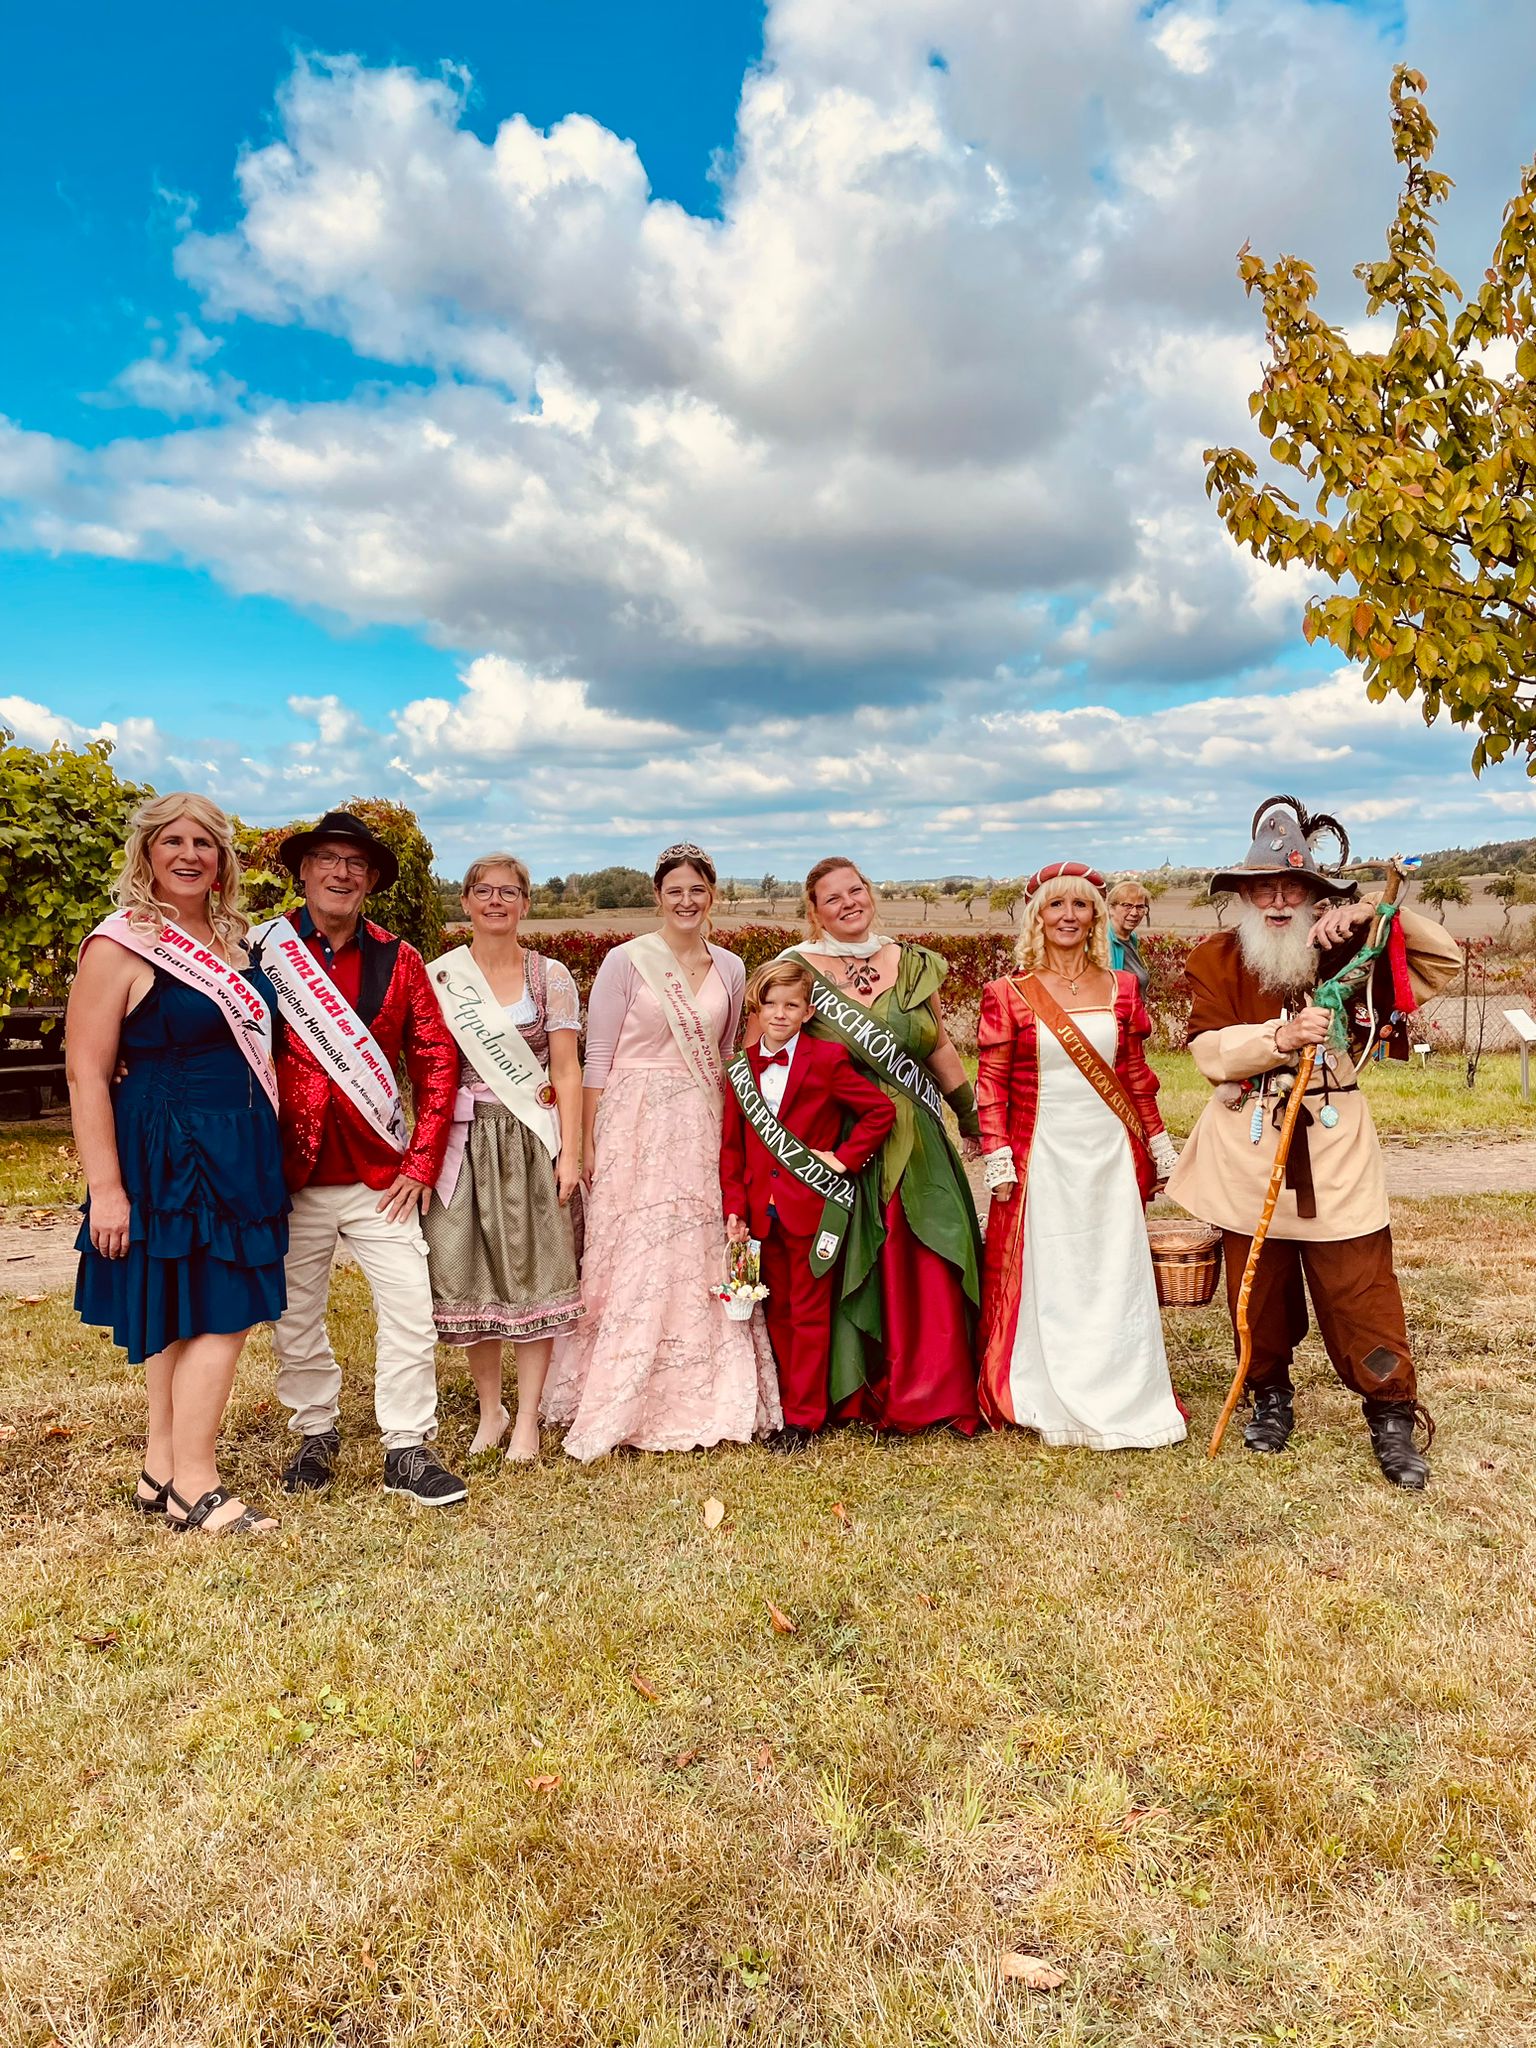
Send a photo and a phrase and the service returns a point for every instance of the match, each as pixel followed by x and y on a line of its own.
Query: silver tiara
pixel 684 850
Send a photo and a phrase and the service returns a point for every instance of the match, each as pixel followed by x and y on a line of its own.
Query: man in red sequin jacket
pixel 349 1183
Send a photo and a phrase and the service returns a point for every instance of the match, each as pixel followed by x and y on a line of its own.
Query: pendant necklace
pixel 860 976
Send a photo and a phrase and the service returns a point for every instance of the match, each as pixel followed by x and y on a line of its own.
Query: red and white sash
pixel 330 1030
pixel 654 963
pixel 196 966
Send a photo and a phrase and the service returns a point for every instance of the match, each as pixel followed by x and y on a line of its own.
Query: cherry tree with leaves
pixel 1419 460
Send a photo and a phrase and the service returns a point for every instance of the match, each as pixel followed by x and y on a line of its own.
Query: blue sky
pixel 587 423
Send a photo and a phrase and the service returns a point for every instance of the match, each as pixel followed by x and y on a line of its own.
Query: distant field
pixel 1173 912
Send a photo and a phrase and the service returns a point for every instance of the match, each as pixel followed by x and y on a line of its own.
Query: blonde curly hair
pixel 135 887
pixel 1030 951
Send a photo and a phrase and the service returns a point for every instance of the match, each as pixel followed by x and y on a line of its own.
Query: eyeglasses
pixel 1277 890
pixel 498 892
pixel 346 863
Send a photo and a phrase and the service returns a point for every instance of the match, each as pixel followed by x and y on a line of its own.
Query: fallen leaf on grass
pixel 682 1760
pixel 89 1777
pixel 7 1431
pixel 546 1781
pixel 1030 1970
pixel 782 1625
pixel 763 1762
pixel 643 1686
pixel 840 1511
pixel 368 1960
pixel 107 1640
pixel 925 1600
pixel 28 1300
pixel 714 1513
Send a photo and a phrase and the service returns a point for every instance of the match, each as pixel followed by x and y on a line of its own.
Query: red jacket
pixel 397 1003
pixel 825 1089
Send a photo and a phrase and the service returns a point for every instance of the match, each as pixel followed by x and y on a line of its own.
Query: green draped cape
pixel 919 1160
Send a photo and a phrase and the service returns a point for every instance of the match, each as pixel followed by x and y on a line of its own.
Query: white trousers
pixel 393 1257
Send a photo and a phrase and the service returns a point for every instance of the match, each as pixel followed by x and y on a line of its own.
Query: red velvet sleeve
pixel 994 1063
pixel 1136 1074
pixel 432 1061
pixel 873 1112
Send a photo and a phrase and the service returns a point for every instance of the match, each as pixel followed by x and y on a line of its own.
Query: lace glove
pixel 1164 1156
pixel 998 1169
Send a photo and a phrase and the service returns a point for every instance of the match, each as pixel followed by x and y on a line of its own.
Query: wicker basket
pixel 1186 1257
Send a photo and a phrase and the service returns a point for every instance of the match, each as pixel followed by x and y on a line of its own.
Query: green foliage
pixel 611 889
pixel 1425 458
pixel 1438 890
pixel 1217 900
pixel 1491 858
pixel 413 908
pixel 63 820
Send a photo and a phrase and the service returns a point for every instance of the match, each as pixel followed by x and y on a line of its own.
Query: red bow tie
pixel 776 1059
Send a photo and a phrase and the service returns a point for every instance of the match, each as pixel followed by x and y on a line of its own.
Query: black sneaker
pixel 416 1473
pixel 314 1463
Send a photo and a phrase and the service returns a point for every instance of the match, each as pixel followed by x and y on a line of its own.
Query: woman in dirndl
pixel 1071 1339
pixel 503 1236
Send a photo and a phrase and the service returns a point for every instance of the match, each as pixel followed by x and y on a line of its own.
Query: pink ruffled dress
pixel 655 1363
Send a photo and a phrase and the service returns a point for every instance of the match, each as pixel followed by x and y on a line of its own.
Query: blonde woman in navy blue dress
pixel 186 1220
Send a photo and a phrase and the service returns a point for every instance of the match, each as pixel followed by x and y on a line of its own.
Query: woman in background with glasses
pixel 502 1237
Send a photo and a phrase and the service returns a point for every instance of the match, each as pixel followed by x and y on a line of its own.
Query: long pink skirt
pixel 654 1363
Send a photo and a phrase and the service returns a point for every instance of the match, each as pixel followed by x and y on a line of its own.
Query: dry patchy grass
pixel 1242 1749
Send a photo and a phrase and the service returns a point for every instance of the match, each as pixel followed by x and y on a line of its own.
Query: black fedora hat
pixel 341 825
pixel 1285 842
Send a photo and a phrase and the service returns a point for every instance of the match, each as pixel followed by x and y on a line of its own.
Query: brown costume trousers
pixel 1355 1297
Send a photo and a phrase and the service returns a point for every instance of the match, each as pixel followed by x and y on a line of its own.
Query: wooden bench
pixel 32 1060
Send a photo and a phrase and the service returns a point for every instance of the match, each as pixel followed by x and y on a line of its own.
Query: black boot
pixel 1273 1419
pixel 1391 1426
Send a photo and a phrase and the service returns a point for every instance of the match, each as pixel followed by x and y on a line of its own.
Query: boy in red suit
pixel 812 1090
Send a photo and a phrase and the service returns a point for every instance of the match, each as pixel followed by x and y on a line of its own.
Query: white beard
pixel 1285 961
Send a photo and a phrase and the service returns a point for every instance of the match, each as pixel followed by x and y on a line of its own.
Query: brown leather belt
pixel 1298 1165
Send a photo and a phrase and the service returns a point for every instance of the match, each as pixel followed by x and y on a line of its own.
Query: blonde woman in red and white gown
pixel 1071 1342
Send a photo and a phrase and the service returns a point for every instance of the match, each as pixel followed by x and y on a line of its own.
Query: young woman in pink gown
pixel 655 1363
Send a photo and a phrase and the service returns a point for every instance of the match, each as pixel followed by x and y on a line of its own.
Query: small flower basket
pixel 741 1287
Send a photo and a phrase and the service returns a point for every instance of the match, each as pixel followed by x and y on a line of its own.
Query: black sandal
pixel 247 1524
pixel 155 1505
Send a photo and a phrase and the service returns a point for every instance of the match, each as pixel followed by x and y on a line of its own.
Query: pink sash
pixel 691 1033
pixel 193 965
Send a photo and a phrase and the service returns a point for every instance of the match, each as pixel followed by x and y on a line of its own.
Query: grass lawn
pixel 38 1165
pixel 1405 1102
pixel 1242 1750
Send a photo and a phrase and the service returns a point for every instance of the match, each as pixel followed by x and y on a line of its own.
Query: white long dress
pixel 1088 1364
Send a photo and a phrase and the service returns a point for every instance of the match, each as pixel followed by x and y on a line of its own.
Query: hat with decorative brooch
pixel 1286 836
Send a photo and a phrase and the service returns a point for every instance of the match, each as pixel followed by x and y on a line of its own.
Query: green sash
pixel 875 1045
pixel 811 1172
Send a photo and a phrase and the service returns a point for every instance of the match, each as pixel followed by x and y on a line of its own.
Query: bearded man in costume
pixel 1251 1015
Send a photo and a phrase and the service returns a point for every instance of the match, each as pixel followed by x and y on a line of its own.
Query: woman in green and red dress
pixel 902 1351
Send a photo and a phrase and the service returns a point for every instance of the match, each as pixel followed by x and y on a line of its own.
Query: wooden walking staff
pixel 1339 988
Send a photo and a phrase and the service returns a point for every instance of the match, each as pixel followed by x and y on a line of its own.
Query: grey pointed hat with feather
pixel 1286 836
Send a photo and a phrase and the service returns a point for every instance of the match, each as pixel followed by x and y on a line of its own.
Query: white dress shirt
pixel 775 1079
